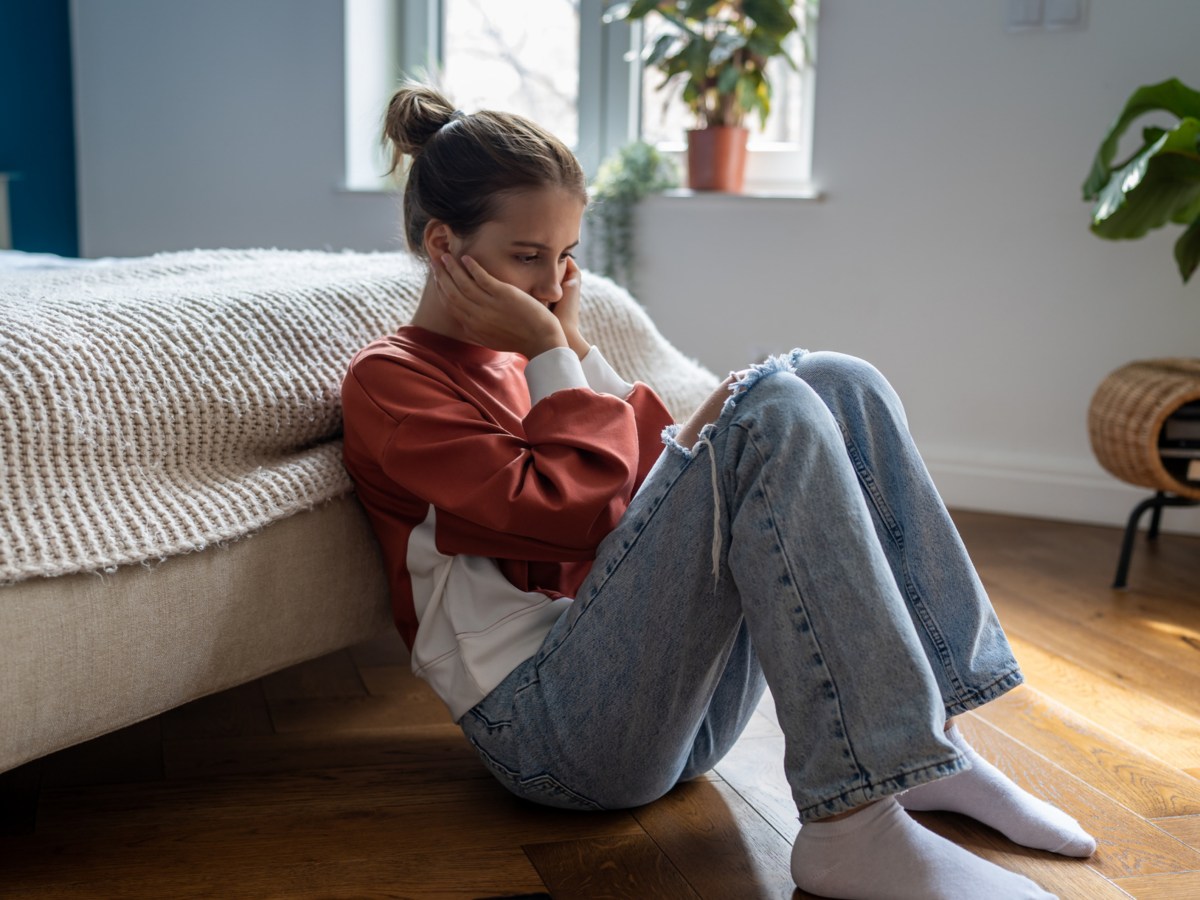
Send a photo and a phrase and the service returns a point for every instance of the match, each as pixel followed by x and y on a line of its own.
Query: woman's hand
pixel 566 310
pixel 493 313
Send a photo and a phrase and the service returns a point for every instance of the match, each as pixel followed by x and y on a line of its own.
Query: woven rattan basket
pixel 1127 413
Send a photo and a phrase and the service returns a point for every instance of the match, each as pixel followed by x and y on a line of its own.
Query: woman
pixel 600 615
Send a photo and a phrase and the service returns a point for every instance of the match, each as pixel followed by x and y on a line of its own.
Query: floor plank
pixel 413 753
pixel 1175 682
pixel 1186 828
pixel 460 874
pixel 721 846
pixel 625 866
pixel 754 769
pixel 1124 772
pixel 1173 886
pixel 1069 879
pixel 1128 843
pixel 1157 727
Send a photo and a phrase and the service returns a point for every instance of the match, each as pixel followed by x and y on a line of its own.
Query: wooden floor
pixel 344 778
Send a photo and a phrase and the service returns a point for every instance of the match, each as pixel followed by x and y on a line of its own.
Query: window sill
pixel 381 188
pixel 806 193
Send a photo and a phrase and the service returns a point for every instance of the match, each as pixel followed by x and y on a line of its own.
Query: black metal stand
pixel 1156 503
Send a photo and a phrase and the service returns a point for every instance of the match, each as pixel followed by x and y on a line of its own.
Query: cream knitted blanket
pixel 151 407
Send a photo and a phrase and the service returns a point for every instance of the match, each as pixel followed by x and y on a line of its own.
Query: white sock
pixel 880 853
pixel 987 795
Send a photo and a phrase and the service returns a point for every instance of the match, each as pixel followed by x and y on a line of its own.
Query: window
pixel 526 63
pixel 558 63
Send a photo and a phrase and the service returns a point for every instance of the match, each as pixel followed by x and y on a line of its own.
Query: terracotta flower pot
pixel 717 159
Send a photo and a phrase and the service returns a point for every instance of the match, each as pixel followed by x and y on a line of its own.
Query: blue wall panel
pixel 37 131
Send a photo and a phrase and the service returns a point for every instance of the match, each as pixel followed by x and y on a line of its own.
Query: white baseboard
pixel 1044 487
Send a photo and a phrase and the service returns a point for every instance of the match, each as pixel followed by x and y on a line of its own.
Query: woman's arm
pixel 548 488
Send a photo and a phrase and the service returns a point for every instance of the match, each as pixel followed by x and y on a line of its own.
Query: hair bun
pixel 415 114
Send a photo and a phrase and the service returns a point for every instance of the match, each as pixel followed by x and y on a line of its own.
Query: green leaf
pixel 1151 133
pixel 763 45
pixel 641 7
pixel 728 80
pixel 1158 185
pixel 1187 250
pixel 661 48
pixel 773 16
pixel 724 47
pixel 697 53
pixel 753 94
pixel 680 23
pixel 1186 213
pixel 697 9
pixel 1172 95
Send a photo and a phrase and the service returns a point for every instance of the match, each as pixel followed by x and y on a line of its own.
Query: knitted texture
pixel 155 406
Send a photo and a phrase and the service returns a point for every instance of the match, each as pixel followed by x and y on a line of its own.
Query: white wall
pixel 951 247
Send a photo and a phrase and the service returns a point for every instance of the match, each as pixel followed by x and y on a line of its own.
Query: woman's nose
pixel 548 289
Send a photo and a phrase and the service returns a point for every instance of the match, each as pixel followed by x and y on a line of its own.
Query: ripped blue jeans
pixel 800 542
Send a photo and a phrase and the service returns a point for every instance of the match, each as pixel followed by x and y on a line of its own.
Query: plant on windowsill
pixel 719 49
pixel 623 180
pixel 1160 182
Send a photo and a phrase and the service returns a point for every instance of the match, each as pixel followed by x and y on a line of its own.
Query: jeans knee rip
pixel 782 362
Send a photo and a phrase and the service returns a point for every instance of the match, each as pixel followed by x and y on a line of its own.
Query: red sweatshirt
pixel 489 481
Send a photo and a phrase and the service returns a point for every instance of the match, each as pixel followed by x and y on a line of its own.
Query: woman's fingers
pixel 572 274
pixel 462 277
pixel 493 313
pixel 480 276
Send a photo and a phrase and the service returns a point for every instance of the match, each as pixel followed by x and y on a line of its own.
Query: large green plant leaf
pixel 1160 184
pixel 1187 250
pixel 1172 96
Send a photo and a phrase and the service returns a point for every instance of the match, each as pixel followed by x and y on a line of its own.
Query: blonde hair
pixel 463 165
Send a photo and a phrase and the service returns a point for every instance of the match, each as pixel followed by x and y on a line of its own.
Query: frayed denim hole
pixel 772 365
pixel 670 437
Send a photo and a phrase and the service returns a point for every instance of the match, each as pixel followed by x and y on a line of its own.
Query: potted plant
pixel 719 49
pixel 1141 417
pixel 1160 181
pixel 623 179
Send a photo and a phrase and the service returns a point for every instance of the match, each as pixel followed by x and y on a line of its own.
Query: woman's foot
pixel 880 853
pixel 989 796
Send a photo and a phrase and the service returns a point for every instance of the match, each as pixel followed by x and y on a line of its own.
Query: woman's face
pixel 528 242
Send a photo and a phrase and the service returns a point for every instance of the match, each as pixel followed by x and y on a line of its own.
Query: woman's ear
pixel 439 238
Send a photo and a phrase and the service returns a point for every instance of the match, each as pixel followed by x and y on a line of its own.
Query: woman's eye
pixel 566 256
pixel 528 258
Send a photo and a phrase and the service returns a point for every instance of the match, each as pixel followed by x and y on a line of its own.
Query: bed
pixel 174 516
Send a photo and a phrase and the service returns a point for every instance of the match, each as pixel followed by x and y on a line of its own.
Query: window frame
pixel 407 36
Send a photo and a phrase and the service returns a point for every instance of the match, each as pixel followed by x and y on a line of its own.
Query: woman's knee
pixel 839 379
pixel 778 407
pixel 829 365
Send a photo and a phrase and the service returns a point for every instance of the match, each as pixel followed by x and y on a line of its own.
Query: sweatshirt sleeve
pixel 550 494
pixel 602 377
